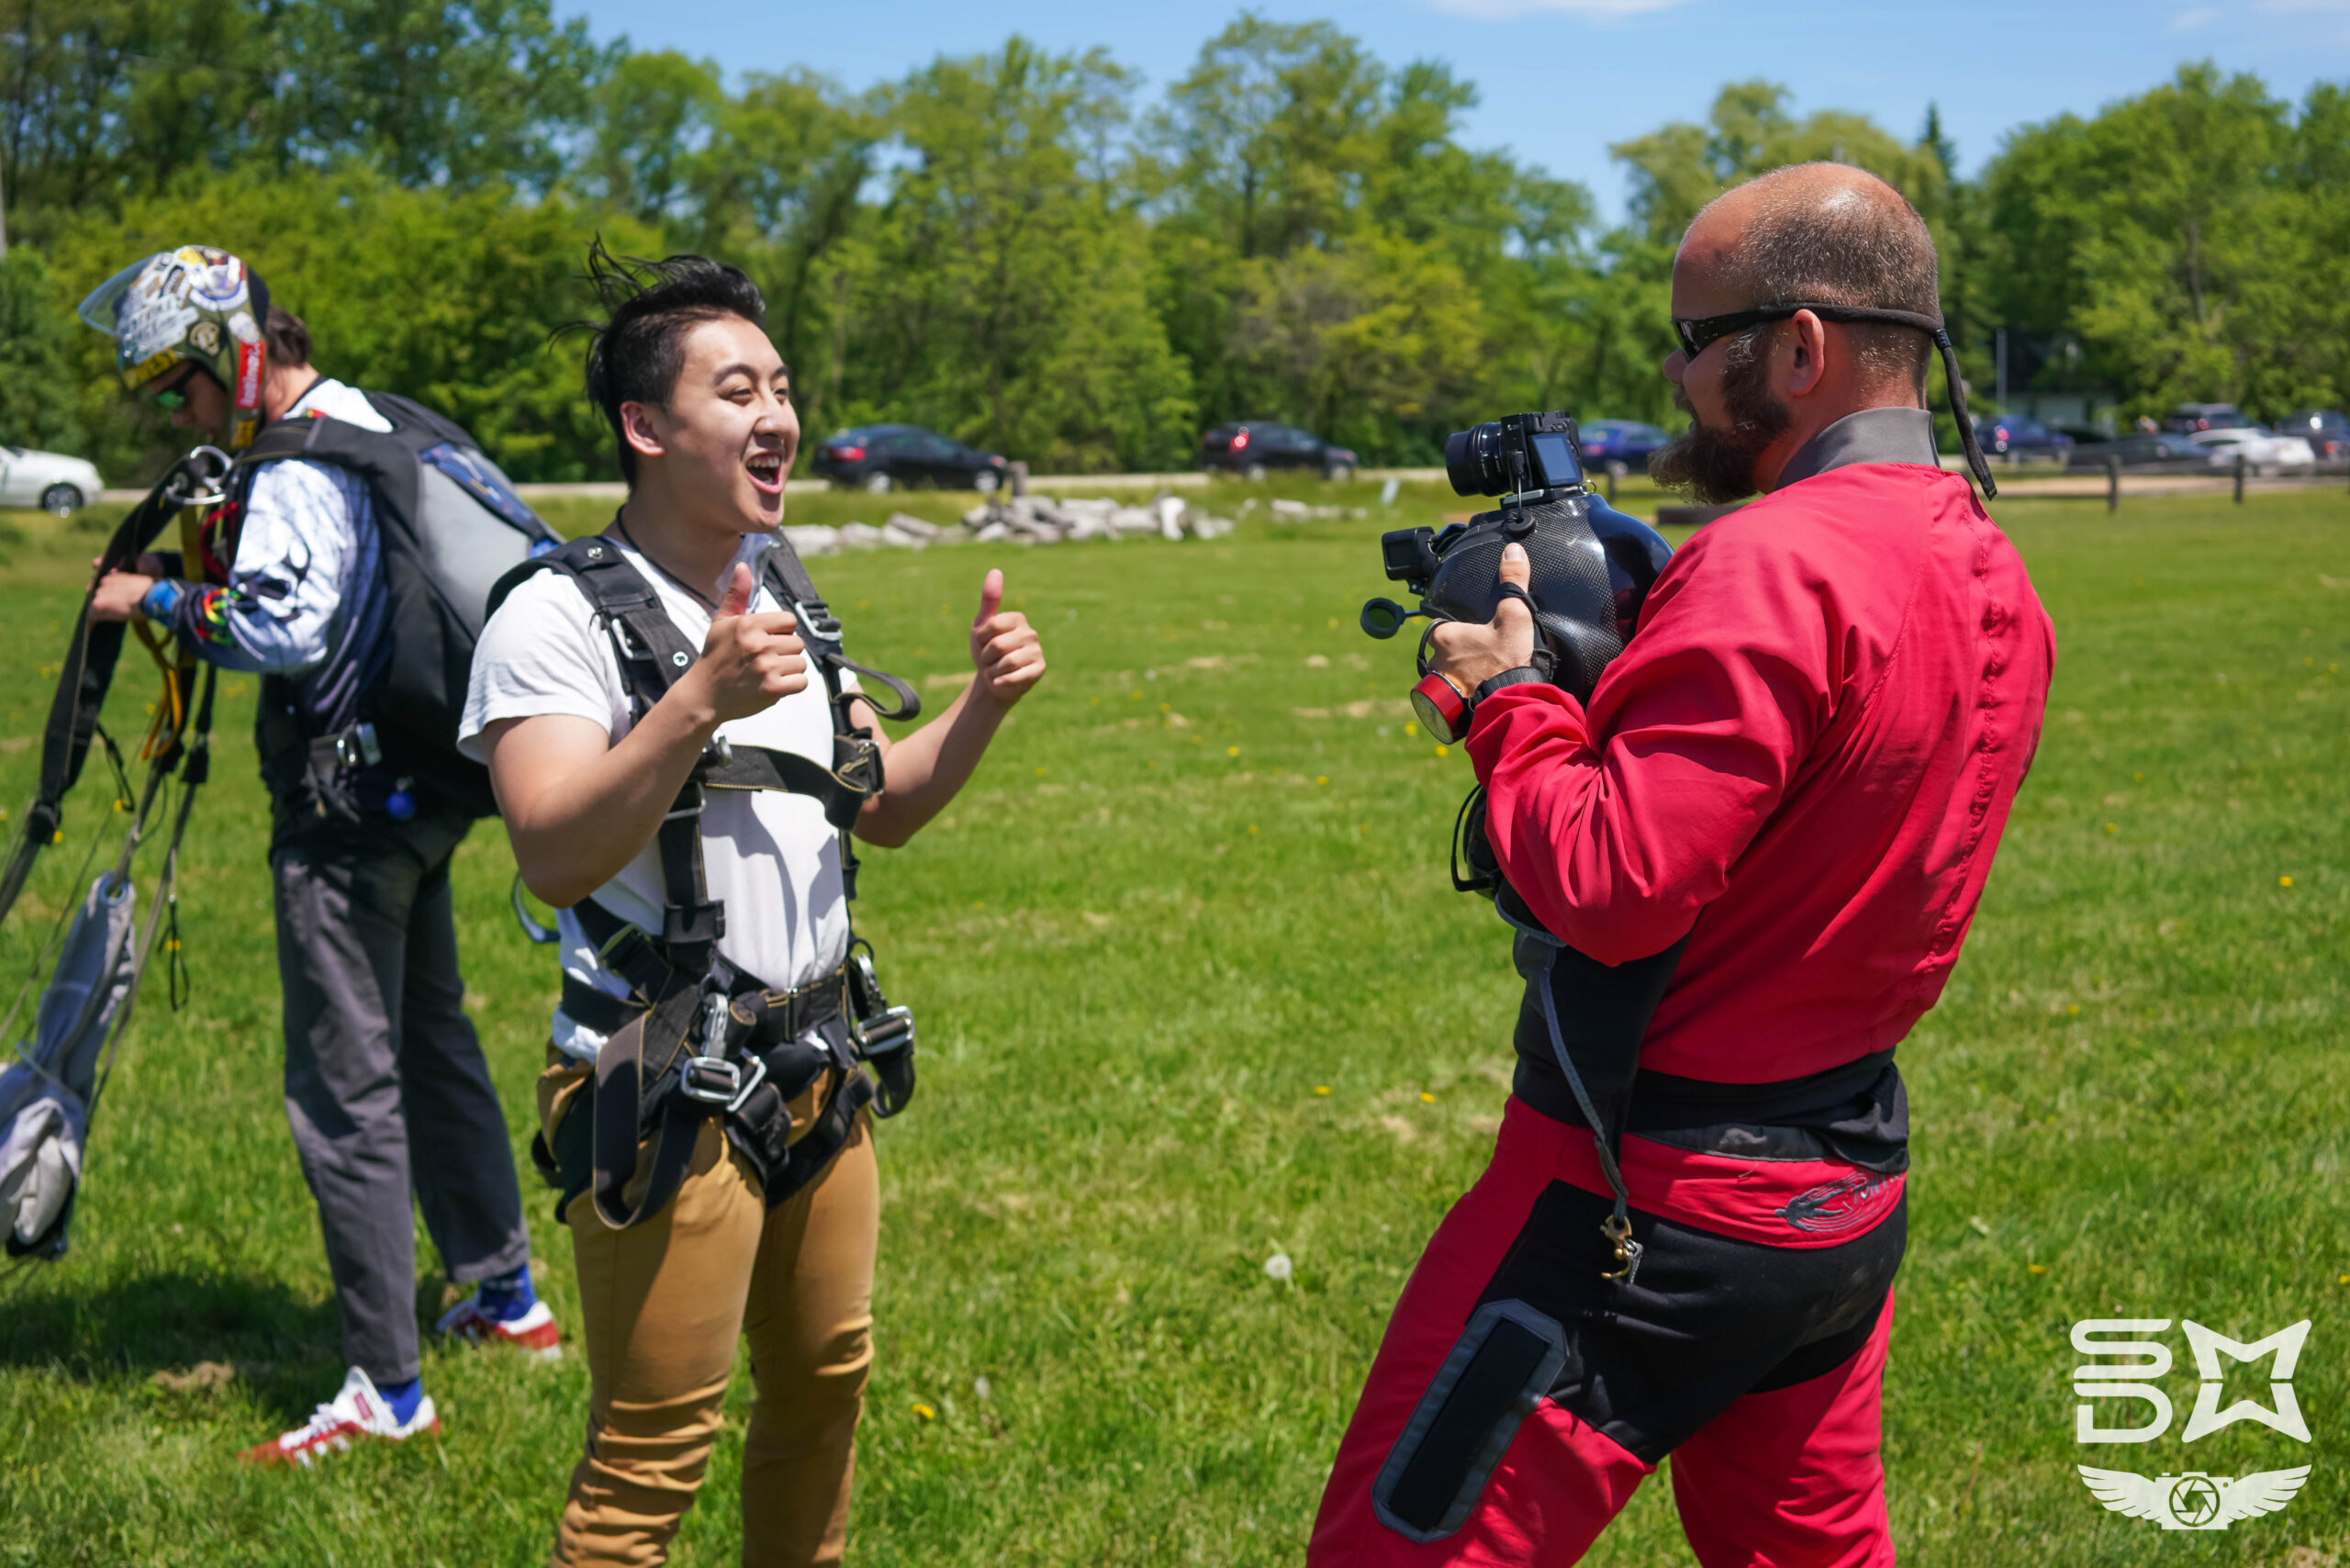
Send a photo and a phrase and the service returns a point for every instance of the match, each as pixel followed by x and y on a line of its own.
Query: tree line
pixel 1031 252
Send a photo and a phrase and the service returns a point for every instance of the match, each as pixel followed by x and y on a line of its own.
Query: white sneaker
pixel 357 1411
pixel 535 1333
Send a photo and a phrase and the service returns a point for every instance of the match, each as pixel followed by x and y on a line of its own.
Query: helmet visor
pixel 103 308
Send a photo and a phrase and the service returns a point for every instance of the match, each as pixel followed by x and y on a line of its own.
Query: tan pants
pixel 662 1304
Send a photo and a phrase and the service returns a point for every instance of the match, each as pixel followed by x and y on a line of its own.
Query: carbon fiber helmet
pixel 196 302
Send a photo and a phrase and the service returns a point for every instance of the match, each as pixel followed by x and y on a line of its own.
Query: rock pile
pixel 1020 520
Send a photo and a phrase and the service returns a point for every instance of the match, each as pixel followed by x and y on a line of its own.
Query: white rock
pixel 907 523
pixel 993 534
pixel 814 540
pixel 1287 511
pixel 860 536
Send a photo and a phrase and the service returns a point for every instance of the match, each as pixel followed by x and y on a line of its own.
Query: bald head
pixel 1828 234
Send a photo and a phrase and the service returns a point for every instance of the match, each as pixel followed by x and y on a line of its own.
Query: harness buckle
pixel 891 1029
pixel 715 1081
pixel 357 747
pixel 701 799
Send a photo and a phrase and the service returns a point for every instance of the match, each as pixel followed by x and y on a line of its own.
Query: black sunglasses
pixel 1696 334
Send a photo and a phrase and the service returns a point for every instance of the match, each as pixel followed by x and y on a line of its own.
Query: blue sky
pixel 1561 79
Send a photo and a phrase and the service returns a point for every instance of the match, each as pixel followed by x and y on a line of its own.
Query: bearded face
pixel 1716 462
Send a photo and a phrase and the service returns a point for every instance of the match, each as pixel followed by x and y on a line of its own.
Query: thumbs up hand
pixel 1006 650
pixel 748 662
pixel 1472 654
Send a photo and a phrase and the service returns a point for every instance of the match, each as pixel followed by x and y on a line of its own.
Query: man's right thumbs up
pixel 737 596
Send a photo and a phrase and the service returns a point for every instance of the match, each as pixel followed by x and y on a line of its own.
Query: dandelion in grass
pixel 1427 1098
pixel 1252 827
pixel 1410 730
pixel 2284 881
pixel 1279 1267
pixel 2036 1267
pixel 982 1388
pixel 925 1411
pixel 1444 751
pixel 1321 779
pixel 1322 1088
pixel 1232 750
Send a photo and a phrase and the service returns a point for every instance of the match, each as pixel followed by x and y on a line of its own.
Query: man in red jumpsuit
pixel 1798 771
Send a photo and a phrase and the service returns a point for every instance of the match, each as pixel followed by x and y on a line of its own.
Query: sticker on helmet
pixel 248 358
pixel 205 336
pixel 242 328
pixel 147 369
pixel 215 278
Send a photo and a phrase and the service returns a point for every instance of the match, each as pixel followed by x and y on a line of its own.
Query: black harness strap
pixel 639 1102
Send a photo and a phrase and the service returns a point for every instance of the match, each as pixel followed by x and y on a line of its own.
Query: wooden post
pixel 2112 483
pixel 2238 479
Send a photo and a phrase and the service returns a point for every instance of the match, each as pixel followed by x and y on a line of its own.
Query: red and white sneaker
pixel 534 1333
pixel 357 1412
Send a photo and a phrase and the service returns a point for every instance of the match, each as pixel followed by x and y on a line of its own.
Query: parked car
pixel 1620 440
pixel 1254 448
pixel 2188 418
pixel 2326 429
pixel 2019 436
pixel 2142 454
pixel 878 457
pixel 48 480
pixel 2262 453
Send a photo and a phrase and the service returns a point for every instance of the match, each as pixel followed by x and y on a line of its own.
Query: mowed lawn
pixel 1193 989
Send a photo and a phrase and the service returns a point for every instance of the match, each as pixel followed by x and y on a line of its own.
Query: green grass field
pixel 1193 989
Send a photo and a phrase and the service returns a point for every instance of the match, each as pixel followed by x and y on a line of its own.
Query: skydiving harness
pixel 695 1038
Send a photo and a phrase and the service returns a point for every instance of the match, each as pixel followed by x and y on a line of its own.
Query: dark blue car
pixel 1619 441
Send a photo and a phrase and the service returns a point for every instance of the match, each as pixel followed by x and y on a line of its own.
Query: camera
pixel 1514 456
pixel 1591 565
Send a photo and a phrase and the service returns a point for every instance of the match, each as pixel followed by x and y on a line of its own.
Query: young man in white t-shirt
pixel 587 773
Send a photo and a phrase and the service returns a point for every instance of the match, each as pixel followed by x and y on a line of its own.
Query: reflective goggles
pixel 171 398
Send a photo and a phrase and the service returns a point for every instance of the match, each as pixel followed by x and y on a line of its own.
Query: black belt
pixel 1856 1112
pixel 789 1013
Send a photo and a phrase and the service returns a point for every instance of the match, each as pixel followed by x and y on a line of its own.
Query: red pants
pixel 1759 1369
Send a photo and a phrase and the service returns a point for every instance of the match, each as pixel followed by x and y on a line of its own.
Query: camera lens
pixel 1472 460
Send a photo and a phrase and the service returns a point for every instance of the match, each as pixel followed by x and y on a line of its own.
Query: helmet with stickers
pixel 196 303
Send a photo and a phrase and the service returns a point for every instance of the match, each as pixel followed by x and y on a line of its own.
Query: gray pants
pixel 385 1080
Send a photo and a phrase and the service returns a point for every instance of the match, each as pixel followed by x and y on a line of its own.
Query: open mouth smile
pixel 767 472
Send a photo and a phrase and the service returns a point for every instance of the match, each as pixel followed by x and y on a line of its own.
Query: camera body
pixel 1516 455
pixel 1591 565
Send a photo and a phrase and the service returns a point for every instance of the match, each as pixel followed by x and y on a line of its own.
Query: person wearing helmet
pixel 385 1085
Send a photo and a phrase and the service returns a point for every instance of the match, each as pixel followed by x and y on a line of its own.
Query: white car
pixel 46 479
pixel 2262 453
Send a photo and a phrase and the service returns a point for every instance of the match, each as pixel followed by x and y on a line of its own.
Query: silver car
pixel 48 480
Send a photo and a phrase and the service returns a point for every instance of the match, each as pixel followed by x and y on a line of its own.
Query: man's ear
pixel 641 428
pixel 1806 354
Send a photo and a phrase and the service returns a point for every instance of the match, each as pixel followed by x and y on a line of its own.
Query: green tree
pixel 1002 292
pixel 451 297
pixel 38 402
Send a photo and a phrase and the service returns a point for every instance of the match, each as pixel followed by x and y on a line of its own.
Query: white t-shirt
pixel 770 857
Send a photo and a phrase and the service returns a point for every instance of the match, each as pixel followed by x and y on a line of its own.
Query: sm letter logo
pixel 2124 1367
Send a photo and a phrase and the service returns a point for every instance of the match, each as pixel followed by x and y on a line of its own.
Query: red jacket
pixel 1804 757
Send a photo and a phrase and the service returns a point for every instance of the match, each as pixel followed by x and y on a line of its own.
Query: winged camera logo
pixel 2194 1501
